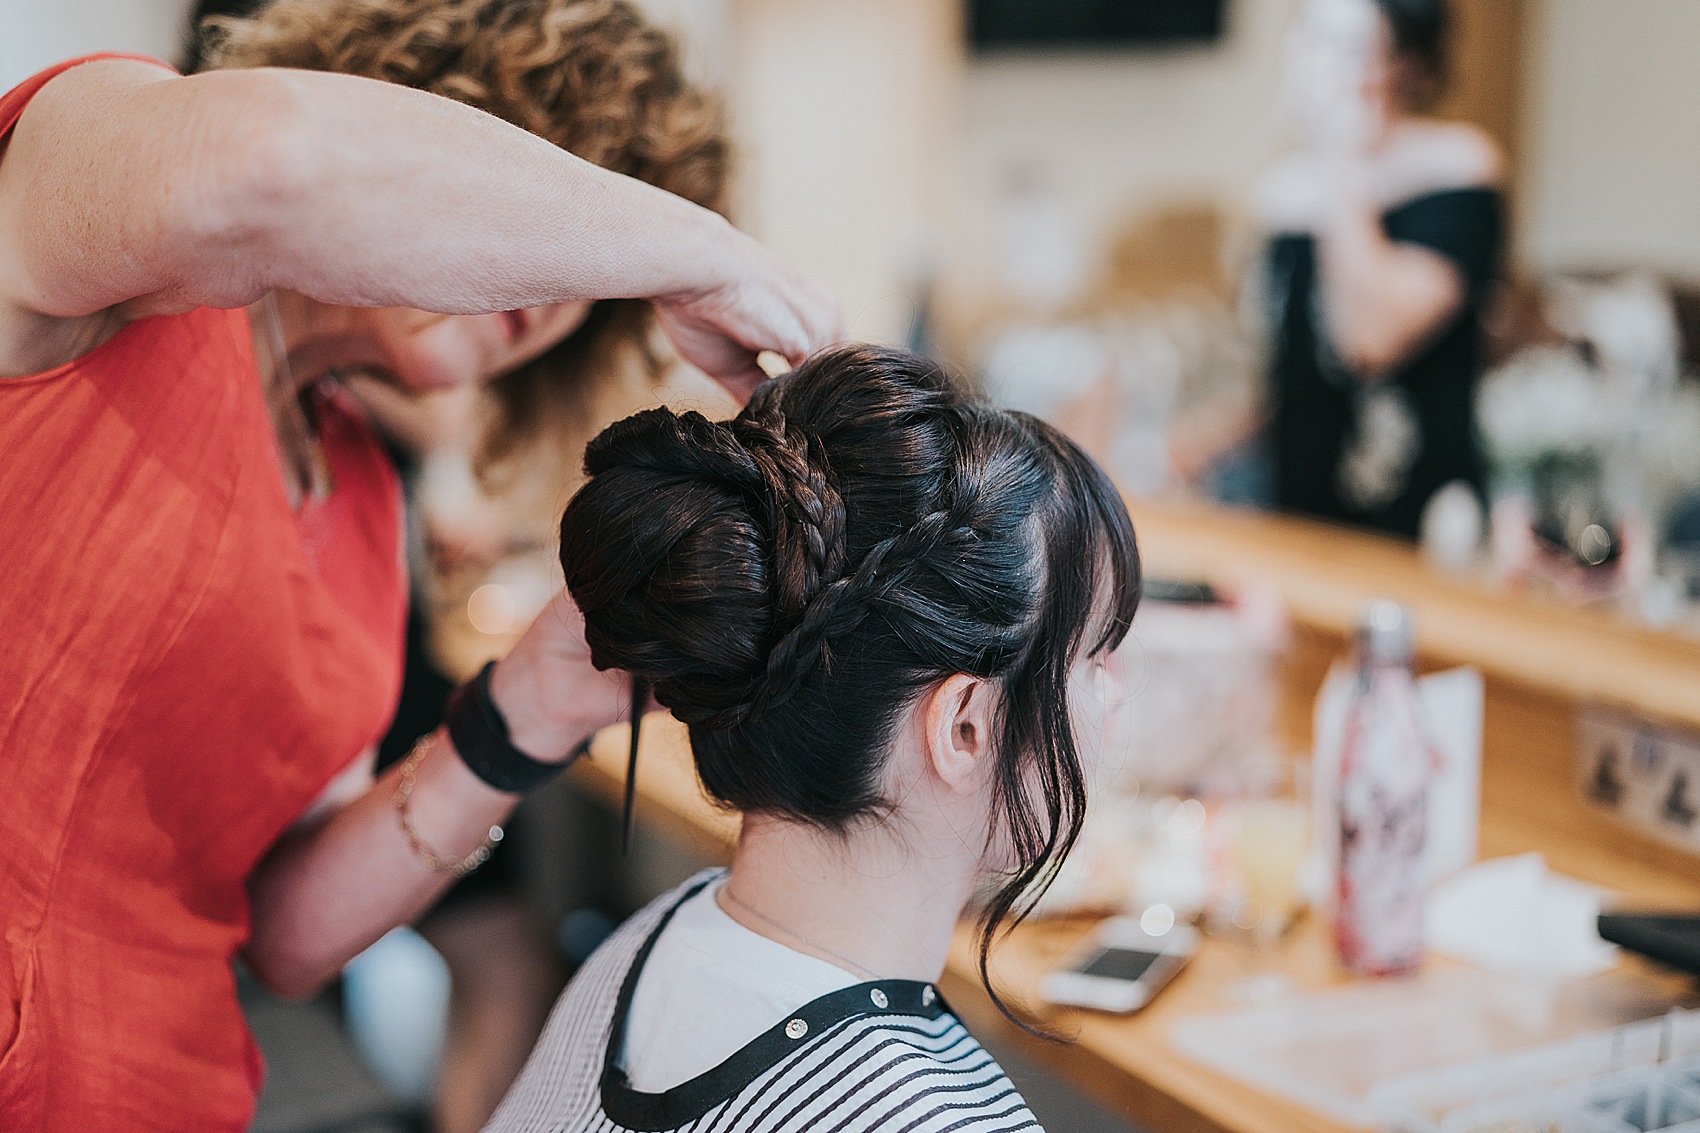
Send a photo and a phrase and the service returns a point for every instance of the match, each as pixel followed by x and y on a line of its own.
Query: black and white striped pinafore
pixel 882 1057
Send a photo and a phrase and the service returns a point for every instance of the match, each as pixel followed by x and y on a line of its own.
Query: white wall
pixel 38 33
pixel 1114 134
pixel 1612 133
pixel 703 29
pixel 869 143
pixel 841 112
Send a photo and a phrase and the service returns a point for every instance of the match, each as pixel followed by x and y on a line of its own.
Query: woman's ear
pixel 957 730
pixel 547 325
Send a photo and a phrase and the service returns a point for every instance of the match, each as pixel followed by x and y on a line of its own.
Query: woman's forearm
pixel 329 889
pixel 1382 298
pixel 124 183
pixel 396 197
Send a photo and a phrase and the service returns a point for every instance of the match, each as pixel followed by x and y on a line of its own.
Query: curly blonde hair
pixel 594 77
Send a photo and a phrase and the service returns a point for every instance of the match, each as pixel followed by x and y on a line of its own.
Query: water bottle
pixel 1387 760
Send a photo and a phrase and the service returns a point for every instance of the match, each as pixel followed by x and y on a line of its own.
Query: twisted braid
pixel 817 598
pixel 781 468
pixel 843 604
pixel 809 542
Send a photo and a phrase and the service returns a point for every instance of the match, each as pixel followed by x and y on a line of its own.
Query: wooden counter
pixel 1326 574
pixel 1541 662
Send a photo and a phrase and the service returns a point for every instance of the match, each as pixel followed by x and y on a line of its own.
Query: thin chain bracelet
pixel 404 795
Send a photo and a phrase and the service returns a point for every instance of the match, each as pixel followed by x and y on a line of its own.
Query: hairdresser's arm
pixel 128 191
pixel 345 874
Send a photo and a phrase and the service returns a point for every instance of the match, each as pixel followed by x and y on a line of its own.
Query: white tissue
pixel 1513 915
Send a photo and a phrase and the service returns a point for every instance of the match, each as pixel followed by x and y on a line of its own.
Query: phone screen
pixel 1178 591
pixel 1120 964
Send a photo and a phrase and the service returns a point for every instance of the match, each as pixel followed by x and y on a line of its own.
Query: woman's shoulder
pixel 916 1064
pixel 913 1058
pixel 638 930
pixel 1424 158
pixel 880 1057
pixel 564 1073
pixel 1288 197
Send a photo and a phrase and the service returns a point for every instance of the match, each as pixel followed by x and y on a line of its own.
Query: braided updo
pixel 790 581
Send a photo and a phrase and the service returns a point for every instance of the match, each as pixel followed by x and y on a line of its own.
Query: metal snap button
pixel 796 1029
pixel 879 999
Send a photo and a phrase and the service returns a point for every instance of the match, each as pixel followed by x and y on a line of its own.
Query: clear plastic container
pixel 1633 1079
pixel 1638 1100
pixel 1454 1050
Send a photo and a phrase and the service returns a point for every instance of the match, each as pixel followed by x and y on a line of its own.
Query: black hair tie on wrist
pixel 480 736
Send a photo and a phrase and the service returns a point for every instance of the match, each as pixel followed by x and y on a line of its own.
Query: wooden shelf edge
pixel 1326 574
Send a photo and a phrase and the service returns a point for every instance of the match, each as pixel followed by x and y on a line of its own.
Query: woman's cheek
pixel 449 355
pixel 429 353
pixel 1092 701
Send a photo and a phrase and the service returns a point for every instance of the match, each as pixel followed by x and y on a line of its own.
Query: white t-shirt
pixel 709 987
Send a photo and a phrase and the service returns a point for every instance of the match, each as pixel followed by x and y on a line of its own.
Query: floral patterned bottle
pixel 1386 762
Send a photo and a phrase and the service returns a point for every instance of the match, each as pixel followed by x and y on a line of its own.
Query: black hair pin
pixel 640 697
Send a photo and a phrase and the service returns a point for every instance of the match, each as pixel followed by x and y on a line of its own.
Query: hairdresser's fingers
pixel 549 691
pixel 742 384
pixel 705 343
pixel 812 315
pixel 761 305
pixel 725 360
pixel 823 324
pixel 824 321
pixel 769 305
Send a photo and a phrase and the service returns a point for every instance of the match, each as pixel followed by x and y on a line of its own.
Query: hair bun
pixel 665 554
pixel 739 529
pixel 807 521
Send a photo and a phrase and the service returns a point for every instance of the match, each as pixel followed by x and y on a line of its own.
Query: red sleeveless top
pixel 184 665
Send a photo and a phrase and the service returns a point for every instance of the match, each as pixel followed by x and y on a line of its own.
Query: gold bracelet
pixel 436 862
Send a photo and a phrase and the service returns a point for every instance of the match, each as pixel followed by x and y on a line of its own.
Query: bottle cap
pixel 1385 635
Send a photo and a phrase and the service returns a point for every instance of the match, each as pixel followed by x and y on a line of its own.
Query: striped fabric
pixel 881 1057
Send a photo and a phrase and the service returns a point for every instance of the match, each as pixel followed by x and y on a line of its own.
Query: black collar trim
pixel 690 1100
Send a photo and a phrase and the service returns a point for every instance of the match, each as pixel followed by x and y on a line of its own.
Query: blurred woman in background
pixel 1386 233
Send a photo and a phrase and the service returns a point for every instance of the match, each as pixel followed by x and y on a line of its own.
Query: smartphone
pixel 1182 592
pixel 1120 966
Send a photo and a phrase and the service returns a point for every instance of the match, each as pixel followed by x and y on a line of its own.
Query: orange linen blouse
pixel 184 665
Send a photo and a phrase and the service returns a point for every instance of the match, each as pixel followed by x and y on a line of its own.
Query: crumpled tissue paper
pixel 1514 915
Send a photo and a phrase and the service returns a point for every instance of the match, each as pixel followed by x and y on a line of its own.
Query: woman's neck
pixel 880 901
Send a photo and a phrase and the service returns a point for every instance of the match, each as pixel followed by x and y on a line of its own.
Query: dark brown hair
pixel 594 77
pixel 1419 30
pixel 789 582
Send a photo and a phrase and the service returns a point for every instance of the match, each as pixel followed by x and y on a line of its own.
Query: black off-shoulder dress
pixel 1372 453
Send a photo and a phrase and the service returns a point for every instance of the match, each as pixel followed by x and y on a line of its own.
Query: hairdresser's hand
pixel 758 304
pixel 548 691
